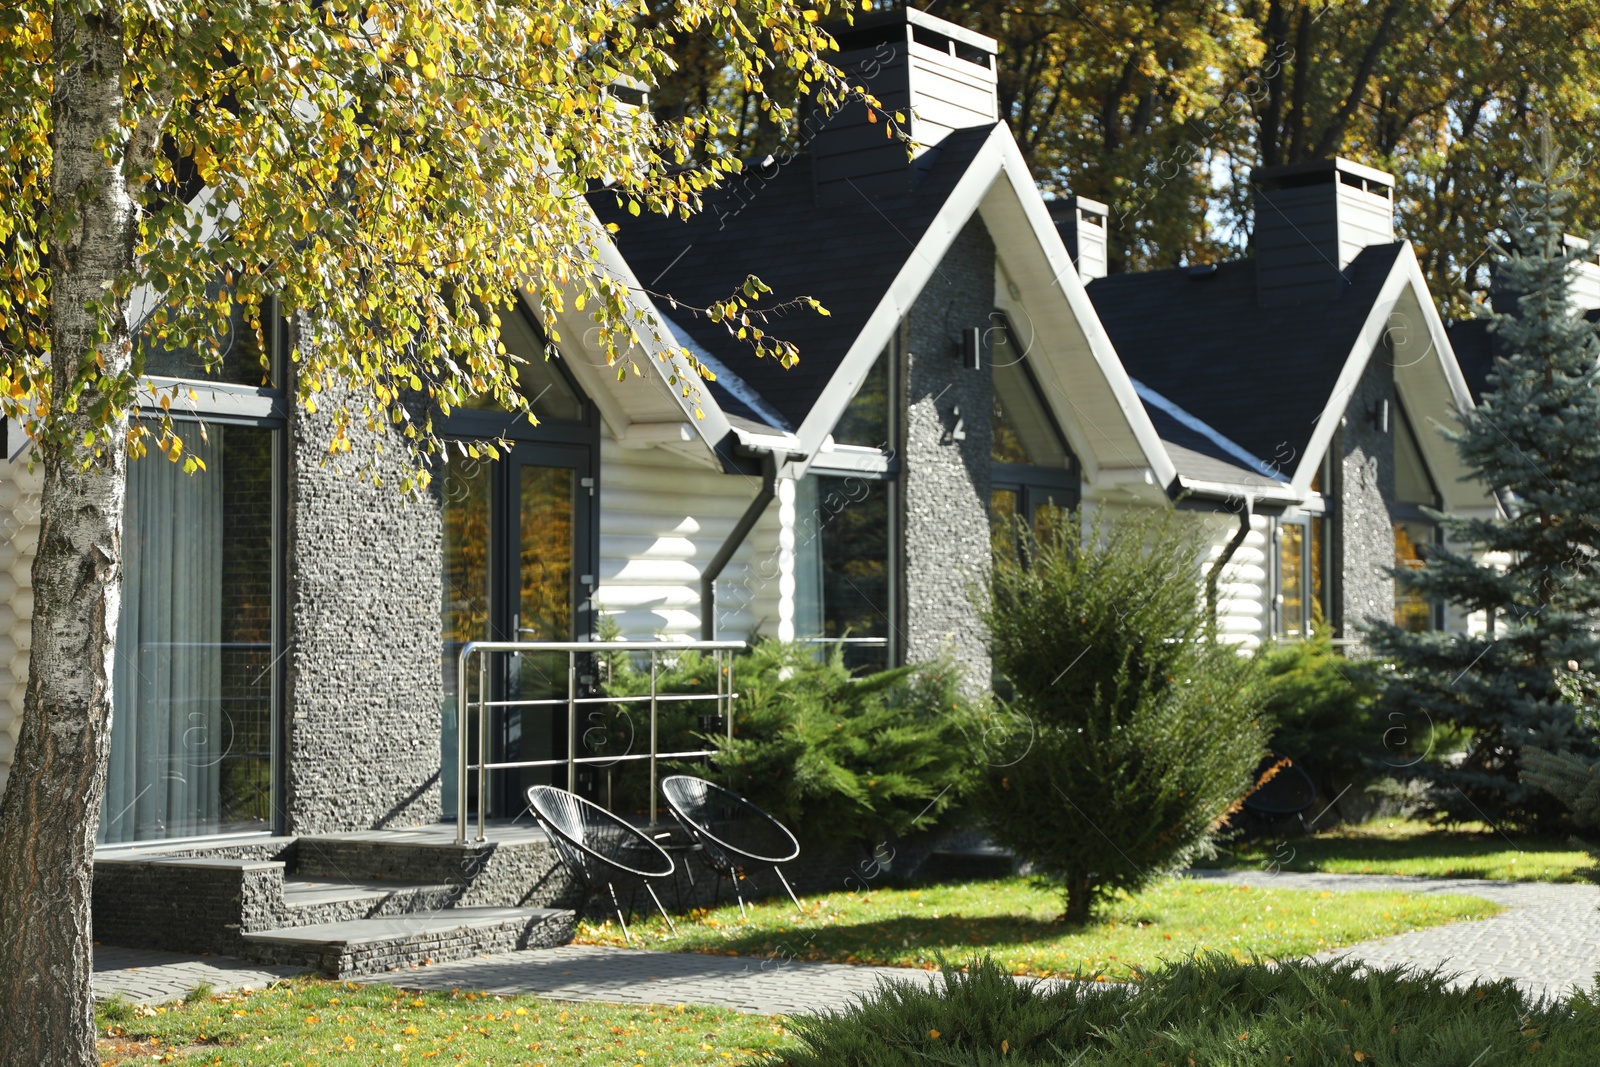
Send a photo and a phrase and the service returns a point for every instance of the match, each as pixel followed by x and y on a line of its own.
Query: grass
pixel 1212 1011
pixel 1015 923
pixel 311 1021
pixel 1399 846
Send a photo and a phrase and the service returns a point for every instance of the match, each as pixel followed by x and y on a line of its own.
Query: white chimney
pixel 1311 221
pixel 1082 224
pixel 939 75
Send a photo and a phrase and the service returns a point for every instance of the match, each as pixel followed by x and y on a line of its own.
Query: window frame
pixel 257 407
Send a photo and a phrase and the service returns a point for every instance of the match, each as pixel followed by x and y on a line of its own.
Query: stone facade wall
pixel 1364 531
pixel 19 538
pixel 363 593
pixel 944 503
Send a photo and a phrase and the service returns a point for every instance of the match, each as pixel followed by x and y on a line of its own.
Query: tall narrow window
pixel 1293 607
pixel 192 741
pixel 846 544
pixel 1414 529
pixel 1032 469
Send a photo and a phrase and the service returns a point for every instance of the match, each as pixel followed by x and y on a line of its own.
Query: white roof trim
pixel 658 354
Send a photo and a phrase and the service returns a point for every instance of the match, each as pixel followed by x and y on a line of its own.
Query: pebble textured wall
pixel 945 503
pixel 362 699
pixel 19 537
pixel 1365 533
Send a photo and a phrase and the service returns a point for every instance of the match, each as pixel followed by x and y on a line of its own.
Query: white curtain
pixel 168 733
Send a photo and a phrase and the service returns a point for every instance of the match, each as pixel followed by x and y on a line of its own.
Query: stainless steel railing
pixel 722 653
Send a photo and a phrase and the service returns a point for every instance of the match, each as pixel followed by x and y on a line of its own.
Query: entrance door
pixel 518 551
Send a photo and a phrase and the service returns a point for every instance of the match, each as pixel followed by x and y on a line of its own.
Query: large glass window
pixel 1412 611
pixel 1024 431
pixel 844 548
pixel 865 421
pixel 194 686
pixel 539 377
pixel 238 358
pixel 1414 529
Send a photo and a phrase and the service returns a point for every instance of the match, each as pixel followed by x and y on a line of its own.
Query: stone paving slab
pixel 1547 940
pixel 147 976
pixel 639 976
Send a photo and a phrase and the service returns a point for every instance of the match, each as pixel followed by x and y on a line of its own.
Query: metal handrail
pixel 722 652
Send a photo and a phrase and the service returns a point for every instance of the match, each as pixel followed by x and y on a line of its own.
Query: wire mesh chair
pixel 730 830
pixel 596 846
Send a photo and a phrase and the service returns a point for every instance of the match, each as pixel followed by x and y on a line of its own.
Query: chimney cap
pixel 867 29
pixel 1289 175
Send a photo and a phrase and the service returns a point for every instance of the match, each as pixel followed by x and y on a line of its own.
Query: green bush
pixel 868 758
pixel 1322 705
pixel 1210 1010
pixel 1143 728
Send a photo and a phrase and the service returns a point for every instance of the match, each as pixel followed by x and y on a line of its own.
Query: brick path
pixel 1547 940
pixel 145 976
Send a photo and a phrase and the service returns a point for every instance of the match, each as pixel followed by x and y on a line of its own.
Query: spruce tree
pixel 1535 571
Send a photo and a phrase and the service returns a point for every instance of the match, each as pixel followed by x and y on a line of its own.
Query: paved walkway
pixel 639 976
pixel 1547 940
pixel 146 976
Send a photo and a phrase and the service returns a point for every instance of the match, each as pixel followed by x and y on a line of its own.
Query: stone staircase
pixel 341 904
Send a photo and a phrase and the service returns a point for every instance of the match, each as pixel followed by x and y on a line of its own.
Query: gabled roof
pixel 844 252
pixel 1260 375
pixel 867 260
pixel 1274 381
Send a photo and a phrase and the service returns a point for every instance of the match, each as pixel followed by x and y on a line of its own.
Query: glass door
pixel 518 537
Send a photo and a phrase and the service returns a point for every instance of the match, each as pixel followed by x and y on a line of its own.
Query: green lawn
pixel 1398 846
pixel 1015 922
pixel 310 1021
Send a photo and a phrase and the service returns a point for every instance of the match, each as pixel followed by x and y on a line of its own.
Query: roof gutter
pixel 741 530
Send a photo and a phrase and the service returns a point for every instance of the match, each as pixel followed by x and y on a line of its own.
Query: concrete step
pixel 386 943
pixel 308 901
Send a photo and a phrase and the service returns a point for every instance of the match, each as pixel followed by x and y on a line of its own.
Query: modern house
pixel 1318 368
pixel 285 673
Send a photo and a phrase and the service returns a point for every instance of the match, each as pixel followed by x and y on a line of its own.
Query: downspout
pixel 741 530
pixel 1214 575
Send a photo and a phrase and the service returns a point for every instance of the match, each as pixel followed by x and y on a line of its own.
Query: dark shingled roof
pixel 1200 458
pixel 1260 375
pixel 844 252
pixel 1476 347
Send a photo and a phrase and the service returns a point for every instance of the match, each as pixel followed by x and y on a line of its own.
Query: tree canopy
pixel 1161 108
pixel 387 176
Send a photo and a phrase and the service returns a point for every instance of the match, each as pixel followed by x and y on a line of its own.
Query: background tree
pixel 1535 440
pixel 1144 728
pixel 386 173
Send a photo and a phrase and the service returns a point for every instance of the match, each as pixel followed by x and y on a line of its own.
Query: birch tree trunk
pixel 51 807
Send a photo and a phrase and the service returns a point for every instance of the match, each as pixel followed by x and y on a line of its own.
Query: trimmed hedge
pixel 1205 1012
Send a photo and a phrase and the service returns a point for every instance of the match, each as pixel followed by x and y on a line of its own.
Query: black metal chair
pixel 596 846
pixel 730 830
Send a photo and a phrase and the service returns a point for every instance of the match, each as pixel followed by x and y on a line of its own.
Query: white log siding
pixel 662 519
pixel 1244 586
pixel 19 537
